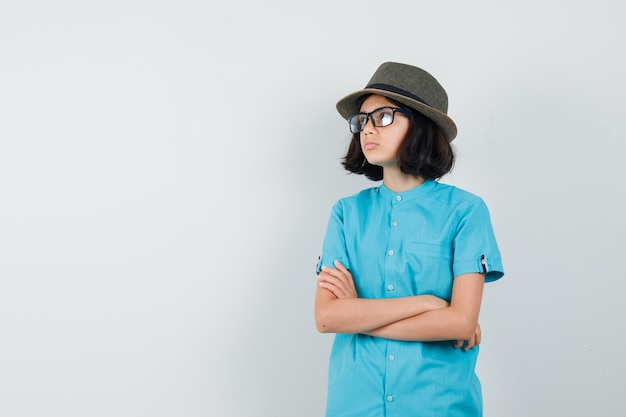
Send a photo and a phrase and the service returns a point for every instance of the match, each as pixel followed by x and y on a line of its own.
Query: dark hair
pixel 424 152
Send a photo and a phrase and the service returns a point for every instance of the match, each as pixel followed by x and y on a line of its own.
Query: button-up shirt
pixel 398 245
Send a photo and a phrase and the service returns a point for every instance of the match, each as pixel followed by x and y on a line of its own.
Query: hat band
pixel 397 90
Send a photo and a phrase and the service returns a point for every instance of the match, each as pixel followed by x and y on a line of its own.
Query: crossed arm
pixel 423 318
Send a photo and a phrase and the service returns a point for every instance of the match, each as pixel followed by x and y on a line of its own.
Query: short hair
pixel 424 152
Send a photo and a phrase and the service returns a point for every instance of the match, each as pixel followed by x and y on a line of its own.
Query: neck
pixel 397 181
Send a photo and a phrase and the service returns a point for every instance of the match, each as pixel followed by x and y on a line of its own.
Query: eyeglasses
pixel 380 118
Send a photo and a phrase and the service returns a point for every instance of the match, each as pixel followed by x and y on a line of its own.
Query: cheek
pixel 398 139
pixel 361 142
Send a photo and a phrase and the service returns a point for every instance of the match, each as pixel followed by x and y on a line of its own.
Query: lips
pixel 370 145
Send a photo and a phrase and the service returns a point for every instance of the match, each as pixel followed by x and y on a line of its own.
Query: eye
pixel 383 117
pixel 357 122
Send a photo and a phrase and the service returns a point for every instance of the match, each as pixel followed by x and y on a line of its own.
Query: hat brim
pixel 347 107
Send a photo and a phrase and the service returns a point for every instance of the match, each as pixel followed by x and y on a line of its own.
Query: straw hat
pixel 410 86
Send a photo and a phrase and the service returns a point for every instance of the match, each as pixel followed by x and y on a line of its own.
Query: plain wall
pixel 167 169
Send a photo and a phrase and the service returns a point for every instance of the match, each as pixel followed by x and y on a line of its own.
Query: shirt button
pixel 389 398
pixel 395 223
pixel 392 358
pixel 389 287
pixel 398 197
pixel 391 252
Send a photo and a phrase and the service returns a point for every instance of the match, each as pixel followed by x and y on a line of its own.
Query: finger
pixel 476 339
pixel 326 274
pixel 333 275
pixel 459 343
pixel 342 268
pixel 471 342
pixel 337 273
pixel 337 292
pixel 327 279
pixel 346 275
pixel 336 285
pixel 479 335
pixel 341 278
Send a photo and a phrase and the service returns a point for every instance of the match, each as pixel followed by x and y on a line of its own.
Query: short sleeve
pixel 475 246
pixel 334 246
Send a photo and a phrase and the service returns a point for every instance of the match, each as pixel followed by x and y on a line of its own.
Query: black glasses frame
pixel 354 121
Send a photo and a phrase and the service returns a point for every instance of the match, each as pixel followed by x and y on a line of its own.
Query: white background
pixel 167 169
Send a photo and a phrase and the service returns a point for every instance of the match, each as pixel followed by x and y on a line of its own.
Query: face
pixel 380 145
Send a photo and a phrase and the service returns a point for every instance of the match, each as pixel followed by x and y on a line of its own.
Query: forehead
pixel 375 101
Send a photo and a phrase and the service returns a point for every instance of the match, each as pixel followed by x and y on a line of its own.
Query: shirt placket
pixel 391 260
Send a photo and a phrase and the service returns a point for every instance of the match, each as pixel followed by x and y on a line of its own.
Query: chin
pixel 378 162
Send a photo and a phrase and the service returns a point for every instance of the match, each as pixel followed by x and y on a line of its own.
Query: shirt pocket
pixel 430 265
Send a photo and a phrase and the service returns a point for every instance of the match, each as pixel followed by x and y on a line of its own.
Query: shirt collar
pixel 419 191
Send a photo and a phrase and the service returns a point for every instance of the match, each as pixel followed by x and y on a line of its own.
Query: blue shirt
pixel 398 245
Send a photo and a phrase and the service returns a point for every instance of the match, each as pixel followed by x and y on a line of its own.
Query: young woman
pixel 403 264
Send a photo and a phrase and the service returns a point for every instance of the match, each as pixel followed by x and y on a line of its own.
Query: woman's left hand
pixel 337 280
pixel 472 342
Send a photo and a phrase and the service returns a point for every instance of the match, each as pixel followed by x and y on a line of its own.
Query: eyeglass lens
pixel 380 118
